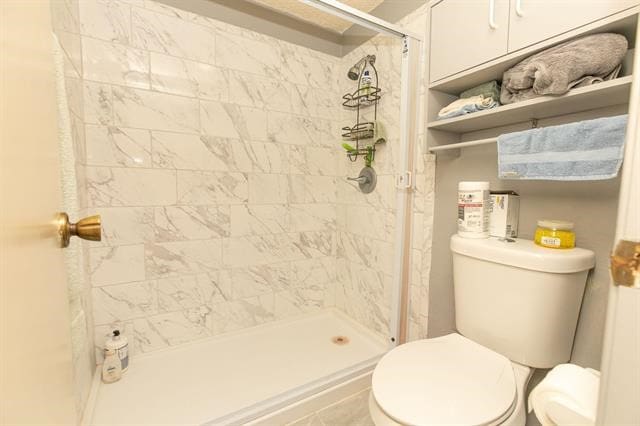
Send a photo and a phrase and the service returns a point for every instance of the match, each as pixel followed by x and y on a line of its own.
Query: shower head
pixel 356 69
pixel 354 72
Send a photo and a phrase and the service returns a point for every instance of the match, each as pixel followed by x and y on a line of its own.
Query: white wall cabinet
pixel 468 33
pixel 532 21
pixel 465 33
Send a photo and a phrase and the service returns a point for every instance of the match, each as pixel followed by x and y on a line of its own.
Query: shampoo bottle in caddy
pixel 365 82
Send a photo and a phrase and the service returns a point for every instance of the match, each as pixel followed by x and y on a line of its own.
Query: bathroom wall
pixel 591 205
pixel 212 159
pixel 66 24
pixel 366 222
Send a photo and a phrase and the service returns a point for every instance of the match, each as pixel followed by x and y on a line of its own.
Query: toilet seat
pixel 445 380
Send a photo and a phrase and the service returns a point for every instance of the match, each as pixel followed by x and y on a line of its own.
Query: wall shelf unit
pixel 483 127
pixel 605 94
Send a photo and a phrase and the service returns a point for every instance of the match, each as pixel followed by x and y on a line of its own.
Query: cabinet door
pixel 532 21
pixel 464 34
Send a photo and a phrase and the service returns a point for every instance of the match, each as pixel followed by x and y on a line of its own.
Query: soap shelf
pixel 363 96
pixel 364 130
pixel 368 152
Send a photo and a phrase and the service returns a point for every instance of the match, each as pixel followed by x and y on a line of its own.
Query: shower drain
pixel 340 340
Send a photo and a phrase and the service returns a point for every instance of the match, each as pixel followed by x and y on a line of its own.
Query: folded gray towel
pixel 580 62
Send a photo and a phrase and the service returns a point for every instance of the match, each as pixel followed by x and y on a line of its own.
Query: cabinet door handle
pixel 492 15
pixel 519 11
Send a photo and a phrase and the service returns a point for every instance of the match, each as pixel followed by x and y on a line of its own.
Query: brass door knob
pixel 88 228
pixel 625 264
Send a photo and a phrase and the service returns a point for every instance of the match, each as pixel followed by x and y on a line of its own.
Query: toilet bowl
pixel 516 306
pixel 448 380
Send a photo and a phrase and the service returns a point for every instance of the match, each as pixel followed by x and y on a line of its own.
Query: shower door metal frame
pixel 356 16
pixel 410 89
pixel 405 187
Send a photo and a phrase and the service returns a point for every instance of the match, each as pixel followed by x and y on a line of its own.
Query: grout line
pixel 266 110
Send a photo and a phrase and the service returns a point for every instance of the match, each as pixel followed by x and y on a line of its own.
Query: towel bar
pixel 462 144
pixel 534 124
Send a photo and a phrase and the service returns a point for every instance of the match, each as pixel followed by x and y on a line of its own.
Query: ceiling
pixel 310 14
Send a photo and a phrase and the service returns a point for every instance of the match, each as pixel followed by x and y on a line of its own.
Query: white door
pixel 35 342
pixel 532 21
pixel 619 399
pixel 466 33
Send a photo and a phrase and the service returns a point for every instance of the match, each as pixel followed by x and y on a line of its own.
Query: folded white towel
pixel 466 106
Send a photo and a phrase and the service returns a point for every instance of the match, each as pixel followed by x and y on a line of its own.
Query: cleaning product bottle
pixel 120 345
pixel 111 368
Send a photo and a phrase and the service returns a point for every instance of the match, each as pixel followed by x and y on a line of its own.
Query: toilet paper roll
pixel 568 395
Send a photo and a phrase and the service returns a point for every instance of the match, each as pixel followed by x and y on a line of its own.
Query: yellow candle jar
pixel 555 234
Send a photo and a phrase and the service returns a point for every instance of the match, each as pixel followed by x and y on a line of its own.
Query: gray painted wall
pixel 591 205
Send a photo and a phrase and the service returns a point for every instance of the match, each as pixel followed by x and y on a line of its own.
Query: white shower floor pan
pixel 233 378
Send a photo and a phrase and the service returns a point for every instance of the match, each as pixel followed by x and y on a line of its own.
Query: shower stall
pixel 246 269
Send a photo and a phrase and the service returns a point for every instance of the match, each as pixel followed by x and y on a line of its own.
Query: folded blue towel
pixel 586 150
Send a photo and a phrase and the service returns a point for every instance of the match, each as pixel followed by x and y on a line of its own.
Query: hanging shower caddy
pixel 365 134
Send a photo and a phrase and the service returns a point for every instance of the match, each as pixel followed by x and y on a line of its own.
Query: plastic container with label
pixel 120 345
pixel 556 234
pixel 474 207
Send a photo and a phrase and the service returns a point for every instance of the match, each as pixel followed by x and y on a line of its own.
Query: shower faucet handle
pixel 359 179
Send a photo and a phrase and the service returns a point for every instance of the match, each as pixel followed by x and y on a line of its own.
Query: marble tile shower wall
pixel 212 159
pixel 366 223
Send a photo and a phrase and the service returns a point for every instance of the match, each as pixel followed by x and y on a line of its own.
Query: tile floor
pixel 351 411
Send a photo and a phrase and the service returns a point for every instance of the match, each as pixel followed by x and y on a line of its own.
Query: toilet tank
pixel 519 299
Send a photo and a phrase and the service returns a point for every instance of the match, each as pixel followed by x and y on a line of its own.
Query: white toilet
pixel 517 306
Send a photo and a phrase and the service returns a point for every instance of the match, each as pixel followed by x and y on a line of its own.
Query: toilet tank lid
pixel 525 254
